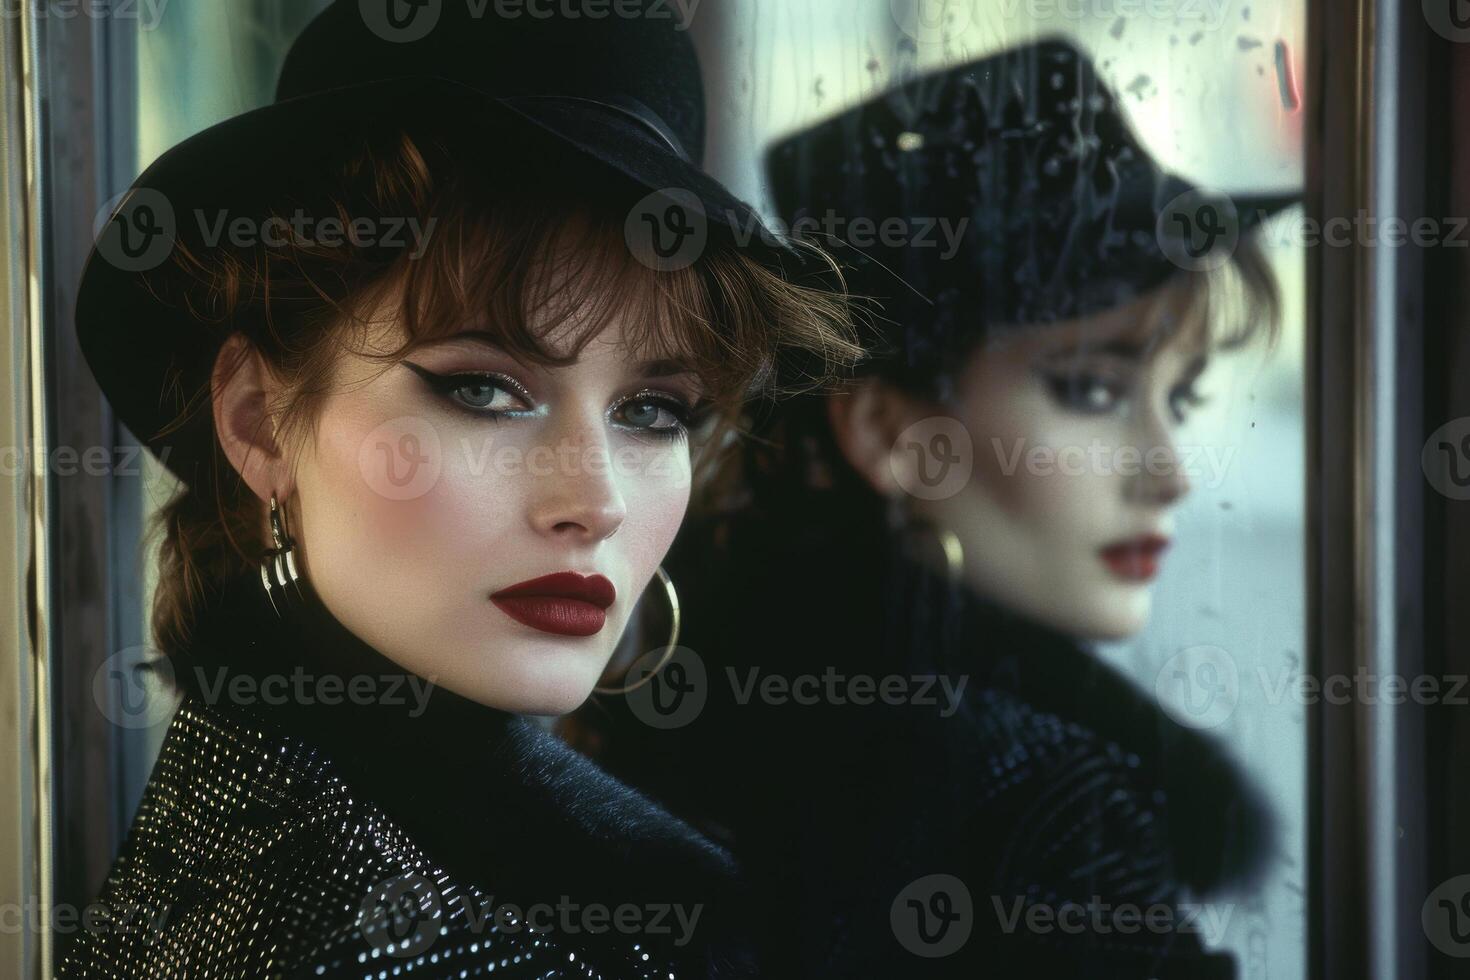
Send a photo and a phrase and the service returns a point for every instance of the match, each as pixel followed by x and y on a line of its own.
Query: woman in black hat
pixel 971 791
pixel 428 341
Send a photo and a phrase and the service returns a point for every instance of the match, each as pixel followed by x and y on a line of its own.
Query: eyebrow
pixel 475 336
pixel 662 367
pixel 1118 347
pixel 1197 366
pixel 665 367
pixel 1128 350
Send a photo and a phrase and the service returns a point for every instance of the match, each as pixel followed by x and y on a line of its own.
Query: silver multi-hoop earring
pixel 278 568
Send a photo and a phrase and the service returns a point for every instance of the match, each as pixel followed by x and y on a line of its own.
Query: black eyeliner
pixel 684 414
pixel 448 382
pixel 435 381
pixel 444 386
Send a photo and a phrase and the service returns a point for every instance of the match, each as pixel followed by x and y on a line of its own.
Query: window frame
pixel 1388 559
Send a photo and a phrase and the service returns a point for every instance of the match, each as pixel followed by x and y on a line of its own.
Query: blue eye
pixel 495 396
pixel 478 393
pixel 1085 392
pixel 654 414
pixel 1186 396
pixel 485 394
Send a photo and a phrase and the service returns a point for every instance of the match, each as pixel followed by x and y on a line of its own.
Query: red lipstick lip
pixel 1137 559
pixel 564 603
pixel 567 585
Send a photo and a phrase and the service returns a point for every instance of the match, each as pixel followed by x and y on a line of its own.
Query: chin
pixel 1122 618
pixel 560 697
pixel 1114 632
pixel 1114 615
pixel 538 695
pixel 540 679
pixel 550 703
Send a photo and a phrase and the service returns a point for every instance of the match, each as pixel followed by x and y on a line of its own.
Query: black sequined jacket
pixel 292 828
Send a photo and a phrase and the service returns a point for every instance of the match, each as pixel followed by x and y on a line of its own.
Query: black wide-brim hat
pixel 1022 197
pixel 617 87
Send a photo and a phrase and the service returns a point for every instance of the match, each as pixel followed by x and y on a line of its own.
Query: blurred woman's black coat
pixel 1049 780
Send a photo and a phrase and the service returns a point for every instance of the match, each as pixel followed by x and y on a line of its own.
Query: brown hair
pixel 505 236
pixel 794 461
pixel 1241 293
pixel 1234 304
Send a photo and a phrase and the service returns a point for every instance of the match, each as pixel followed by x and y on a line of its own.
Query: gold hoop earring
pixel 950 545
pixel 278 567
pixel 954 553
pixel 669 648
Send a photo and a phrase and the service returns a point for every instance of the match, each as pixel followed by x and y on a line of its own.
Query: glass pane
pixel 197 64
pixel 1213 94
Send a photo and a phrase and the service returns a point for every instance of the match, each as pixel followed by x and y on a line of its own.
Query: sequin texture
pixel 251 857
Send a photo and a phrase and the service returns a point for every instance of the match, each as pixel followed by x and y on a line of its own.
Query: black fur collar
pixel 494 797
pixel 1223 831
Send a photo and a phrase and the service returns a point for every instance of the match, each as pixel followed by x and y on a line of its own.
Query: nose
pixel 577 498
pixel 1161 480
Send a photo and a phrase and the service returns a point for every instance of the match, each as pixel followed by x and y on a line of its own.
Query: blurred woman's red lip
pixel 1137 559
pixel 564 603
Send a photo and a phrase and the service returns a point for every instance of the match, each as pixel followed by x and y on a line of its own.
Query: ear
pixel 866 421
pixel 241 390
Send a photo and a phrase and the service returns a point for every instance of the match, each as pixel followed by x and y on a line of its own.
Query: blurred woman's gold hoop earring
pixel 950 545
pixel 669 648
pixel 954 554
pixel 278 568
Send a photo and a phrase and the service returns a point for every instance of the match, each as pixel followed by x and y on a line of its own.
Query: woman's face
pixel 433 491
pixel 1068 510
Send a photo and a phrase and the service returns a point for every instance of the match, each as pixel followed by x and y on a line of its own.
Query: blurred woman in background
pixel 938 546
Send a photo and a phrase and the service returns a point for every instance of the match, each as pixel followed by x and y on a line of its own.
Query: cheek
pixel 390 495
pixel 399 488
pixel 1041 467
pixel 656 493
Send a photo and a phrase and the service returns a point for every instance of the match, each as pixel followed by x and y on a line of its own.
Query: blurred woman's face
pixel 1067 514
pixel 488 524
